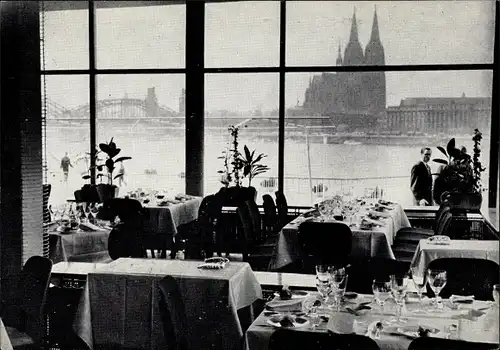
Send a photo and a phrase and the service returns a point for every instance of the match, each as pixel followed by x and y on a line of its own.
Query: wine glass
pixel 323 281
pixel 381 291
pixel 437 281
pixel 323 210
pixel 398 291
pixel 420 282
pixel 338 291
pixel 496 294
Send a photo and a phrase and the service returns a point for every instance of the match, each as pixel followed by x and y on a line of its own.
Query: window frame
pixel 195 71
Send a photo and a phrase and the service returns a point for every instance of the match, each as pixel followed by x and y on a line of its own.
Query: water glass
pixel 398 291
pixel 338 291
pixel 420 282
pixel 323 280
pixel 496 294
pixel 382 291
pixel 437 281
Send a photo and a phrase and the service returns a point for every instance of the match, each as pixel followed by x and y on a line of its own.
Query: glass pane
pixel 141 37
pixel 403 32
pixel 242 34
pixel 335 140
pixel 249 101
pixel 144 114
pixel 67 134
pixel 66 38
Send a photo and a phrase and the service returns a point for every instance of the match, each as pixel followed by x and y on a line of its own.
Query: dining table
pixel 372 241
pixel 119 305
pixel 85 245
pixel 474 322
pixel 429 250
pixel 5 343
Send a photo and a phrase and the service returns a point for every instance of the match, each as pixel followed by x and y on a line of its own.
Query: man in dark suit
pixel 421 179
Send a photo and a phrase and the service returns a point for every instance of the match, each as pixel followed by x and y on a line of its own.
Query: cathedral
pixel 353 98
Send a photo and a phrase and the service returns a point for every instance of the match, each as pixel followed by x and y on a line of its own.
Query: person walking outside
pixel 65 164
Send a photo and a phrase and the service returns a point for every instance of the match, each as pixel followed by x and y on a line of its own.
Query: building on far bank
pixel 428 115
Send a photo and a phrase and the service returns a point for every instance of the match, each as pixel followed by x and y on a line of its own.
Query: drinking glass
pixel 323 281
pixel 496 294
pixel 382 291
pixel 323 210
pixel 338 291
pixel 420 282
pixel 337 276
pixel 398 291
pixel 437 281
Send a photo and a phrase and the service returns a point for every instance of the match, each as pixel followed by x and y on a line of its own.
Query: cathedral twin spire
pixel 374 52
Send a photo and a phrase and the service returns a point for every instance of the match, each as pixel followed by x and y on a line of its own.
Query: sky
pixel 247 34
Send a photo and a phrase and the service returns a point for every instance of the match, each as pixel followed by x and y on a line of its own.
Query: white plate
pixel 297 325
pixel 295 294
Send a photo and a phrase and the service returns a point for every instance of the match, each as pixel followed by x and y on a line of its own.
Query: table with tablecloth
pixel 374 242
pixel 5 343
pixel 477 322
pixel 77 245
pixel 163 220
pixel 119 303
pixel 471 249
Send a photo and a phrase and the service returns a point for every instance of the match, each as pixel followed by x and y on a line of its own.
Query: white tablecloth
pixel 73 245
pixel 120 303
pixel 4 338
pixel 365 243
pixel 427 252
pixel 165 219
pixel 477 329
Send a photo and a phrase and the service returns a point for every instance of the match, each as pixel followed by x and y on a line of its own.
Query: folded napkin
pixel 466 299
pixel 284 305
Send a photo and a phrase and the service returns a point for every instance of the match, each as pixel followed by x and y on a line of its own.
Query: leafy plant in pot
pixel 459 178
pixel 108 190
pixel 88 192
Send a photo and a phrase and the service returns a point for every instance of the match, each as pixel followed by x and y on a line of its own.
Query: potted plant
pixel 251 165
pixel 108 190
pixel 459 178
pixel 234 172
pixel 88 192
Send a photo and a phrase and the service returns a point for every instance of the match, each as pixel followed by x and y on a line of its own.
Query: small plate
pixel 296 294
pixel 298 322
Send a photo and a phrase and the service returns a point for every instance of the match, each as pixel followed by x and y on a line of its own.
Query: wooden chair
pixel 270 214
pixel 24 319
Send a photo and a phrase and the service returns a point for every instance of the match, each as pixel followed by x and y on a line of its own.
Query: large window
pixel 336 94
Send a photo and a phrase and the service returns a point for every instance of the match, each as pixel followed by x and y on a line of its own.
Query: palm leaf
pixel 121 159
pixel 450 146
pixel 442 150
pixel 441 161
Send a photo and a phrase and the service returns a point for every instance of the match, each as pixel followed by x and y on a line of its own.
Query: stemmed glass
pixel 420 282
pixel 381 291
pixel 437 281
pixel 398 291
pixel 496 294
pixel 323 210
pixel 323 281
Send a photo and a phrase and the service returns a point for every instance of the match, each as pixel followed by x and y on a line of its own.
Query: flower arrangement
pixel 237 166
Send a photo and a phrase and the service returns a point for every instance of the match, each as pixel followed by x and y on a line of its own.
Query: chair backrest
pixel 270 214
pixel 34 282
pixel 127 209
pixel 362 272
pixel 325 242
pixel 430 343
pixel 467 276
pixel 443 208
pixel 282 205
pixel 173 315
pixel 254 212
pixel 245 228
pixel 46 195
pixel 443 226
pixel 289 339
